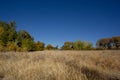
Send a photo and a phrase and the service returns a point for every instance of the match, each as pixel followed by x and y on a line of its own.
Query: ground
pixel 60 65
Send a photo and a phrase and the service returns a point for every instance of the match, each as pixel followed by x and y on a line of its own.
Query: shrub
pixel 27 45
pixel 49 47
pixel 39 46
pixel 109 43
pixel 78 45
pixel 1 46
pixel 116 41
pixel 82 45
pixel 12 46
pixel 67 46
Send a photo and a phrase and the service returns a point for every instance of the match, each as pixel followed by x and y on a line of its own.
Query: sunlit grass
pixel 60 65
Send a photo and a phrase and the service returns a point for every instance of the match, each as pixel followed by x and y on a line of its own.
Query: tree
pixel 7 32
pixel 2 48
pixel 39 46
pixel 12 46
pixel 27 45
pixel 104 43
pixel 12 40
pixel 2 36
pixel 67 46
pixel 78 45
pixel 25 41
pixel 22 34
pixel 116 41
pixel 109 43
pixel 89 46
pixel 82 45
pixel 49 47
pixel 4 33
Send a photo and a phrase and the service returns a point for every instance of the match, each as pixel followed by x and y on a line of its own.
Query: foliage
pixel 116 41
pixel 77 45
pixel 22 34
pixel 49 47
pixel 67 46
pixel 108 43
pixel 12 40
pixel 7 32
pixel 1 46
pixel 27 45
pixel 87 45
pixel 12 46
pixel 82 45
pixel 39 46
pixel 103 43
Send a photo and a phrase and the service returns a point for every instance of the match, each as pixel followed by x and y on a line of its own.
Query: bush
pixel 109 43
pixel 49 47
pixel 27 45
pixel 2 46
pixel 82 45
pixel 78 45
pixel 39 46
pixel 67 46
pixel 12 46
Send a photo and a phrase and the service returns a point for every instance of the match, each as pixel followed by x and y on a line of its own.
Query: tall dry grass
pixel 60 65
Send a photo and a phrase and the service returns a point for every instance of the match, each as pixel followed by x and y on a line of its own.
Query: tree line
pixel 13 40
pixel 108 43
pixel 77 45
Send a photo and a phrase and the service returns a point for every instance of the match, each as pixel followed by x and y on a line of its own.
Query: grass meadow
pixel 60 65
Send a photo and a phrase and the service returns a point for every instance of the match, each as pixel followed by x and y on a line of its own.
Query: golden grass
pixel 60 65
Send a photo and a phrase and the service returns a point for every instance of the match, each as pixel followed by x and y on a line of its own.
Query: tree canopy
pixel 13 40
pixel 109 43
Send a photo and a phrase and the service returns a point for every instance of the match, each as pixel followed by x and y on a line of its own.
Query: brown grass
pixel 60 65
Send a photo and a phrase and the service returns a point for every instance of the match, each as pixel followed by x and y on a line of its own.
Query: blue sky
pixel 57 21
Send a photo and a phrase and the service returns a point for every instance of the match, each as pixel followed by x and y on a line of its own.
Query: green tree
pixel 21 35
pixel 27 45
pixel 67 46
pixel 2 48
pixel 12 46
pixel 3 33
pixel 7 32
pixel 89 46
pixel 82 45
pixel 25 41
pixel 78 45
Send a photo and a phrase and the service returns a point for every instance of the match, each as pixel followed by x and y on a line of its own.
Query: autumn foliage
pixel 49 47
pixel 77 45
pixel 13 40
pixel 109 43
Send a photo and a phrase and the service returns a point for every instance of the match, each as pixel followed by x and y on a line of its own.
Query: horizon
pixel 55 22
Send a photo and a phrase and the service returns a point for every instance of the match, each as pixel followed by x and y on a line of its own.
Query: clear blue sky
pixel 57 21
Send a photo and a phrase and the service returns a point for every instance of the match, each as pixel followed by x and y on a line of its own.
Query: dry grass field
pixel 60 65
